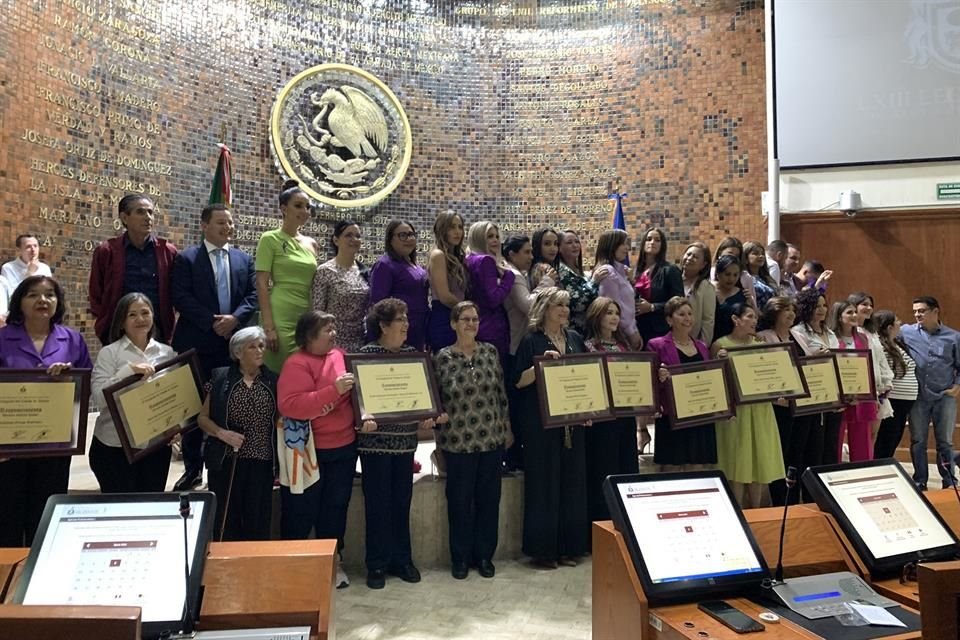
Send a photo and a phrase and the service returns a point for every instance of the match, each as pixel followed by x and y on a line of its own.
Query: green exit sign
pixel 948 191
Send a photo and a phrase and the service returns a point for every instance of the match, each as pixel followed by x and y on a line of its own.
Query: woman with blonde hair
pixel 555 523
pixel 492 281
pixel 448 278
pixel 698 289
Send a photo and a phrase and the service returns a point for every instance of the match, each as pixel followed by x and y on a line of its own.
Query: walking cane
pixel 226 505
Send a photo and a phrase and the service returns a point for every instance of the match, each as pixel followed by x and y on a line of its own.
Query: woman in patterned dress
pixel 240 418
pixel 340 289
pixel 573 279
pixel 473 440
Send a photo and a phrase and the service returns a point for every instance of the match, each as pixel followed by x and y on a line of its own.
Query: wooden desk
pixel 621 609
pixel 40 622
pixel 10 559
pixel 946 504
pixel 939 588
pixel 247 585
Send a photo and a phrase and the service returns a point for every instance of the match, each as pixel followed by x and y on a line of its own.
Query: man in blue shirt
pixel 936 350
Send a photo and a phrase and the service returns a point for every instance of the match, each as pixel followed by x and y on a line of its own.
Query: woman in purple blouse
pixel 490 284
pixel 32 339
pixel 396 274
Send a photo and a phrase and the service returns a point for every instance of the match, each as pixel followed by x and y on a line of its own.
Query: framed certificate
pixel 632 383
pixel 823 381
pixel 42 415
pixel 856 374
pixel 394 387
pixel 765 372
pixel 572 389
pixel 698 393
pixel 149 412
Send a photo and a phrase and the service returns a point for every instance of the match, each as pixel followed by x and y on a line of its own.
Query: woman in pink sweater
pixel 314 386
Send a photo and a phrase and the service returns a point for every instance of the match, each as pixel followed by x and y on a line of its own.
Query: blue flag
pixel 618 221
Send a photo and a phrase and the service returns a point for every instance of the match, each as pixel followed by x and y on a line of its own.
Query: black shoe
pixel 486 569
pixel 376 579
pixel 188 481
pixel 407 573
pixel 459 570
pixel 922 486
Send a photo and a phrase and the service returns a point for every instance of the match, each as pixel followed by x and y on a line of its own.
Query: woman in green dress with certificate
pixel 287 259
pixel 748 445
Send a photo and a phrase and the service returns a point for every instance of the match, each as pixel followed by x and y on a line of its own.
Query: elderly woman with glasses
pixel 471 387
pixel 240 415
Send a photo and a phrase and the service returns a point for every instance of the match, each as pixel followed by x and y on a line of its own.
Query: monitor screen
pixel 123 550
pixel 685 531
pixel 881 511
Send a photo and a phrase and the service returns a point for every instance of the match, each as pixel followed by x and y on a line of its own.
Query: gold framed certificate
pixel 856 374
pixel 766 372
pixel 698 393
pixel 823 381
pixel 572 389
pixel 149 412
pixel 394 387
pixel 43 415
pixel 632 382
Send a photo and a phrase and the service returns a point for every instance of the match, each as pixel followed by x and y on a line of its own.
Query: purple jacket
pixel 489 290
pixel 666 350
pixel 617 287
pixel 399 279
pixel 63 345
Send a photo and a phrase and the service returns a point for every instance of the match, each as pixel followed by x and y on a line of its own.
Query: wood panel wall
pixel 893 255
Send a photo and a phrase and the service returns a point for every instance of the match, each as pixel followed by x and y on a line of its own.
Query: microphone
pixel 791 481
pixel 186 625
pixel 947 468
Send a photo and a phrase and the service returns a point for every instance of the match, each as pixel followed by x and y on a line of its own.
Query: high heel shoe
pixel 645 439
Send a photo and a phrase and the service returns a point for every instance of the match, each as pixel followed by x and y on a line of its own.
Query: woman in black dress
pixel 555 524
pixel 657 281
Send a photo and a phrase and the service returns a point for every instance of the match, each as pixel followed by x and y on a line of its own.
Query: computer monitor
pixel 686 534
pixel 879 508
pixel 122 550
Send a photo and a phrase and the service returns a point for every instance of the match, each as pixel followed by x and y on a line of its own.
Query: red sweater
pixel 305 392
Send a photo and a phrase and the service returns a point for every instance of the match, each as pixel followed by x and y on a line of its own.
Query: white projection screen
pixel 866 81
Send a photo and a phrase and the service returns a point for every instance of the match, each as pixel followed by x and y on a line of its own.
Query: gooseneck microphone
pixel 948 469
pixel 186 626
pixel 791 482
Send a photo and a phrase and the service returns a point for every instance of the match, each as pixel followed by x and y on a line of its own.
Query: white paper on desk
pixel 876 615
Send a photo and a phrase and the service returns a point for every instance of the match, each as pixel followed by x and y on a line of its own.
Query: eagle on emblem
pixel 355 121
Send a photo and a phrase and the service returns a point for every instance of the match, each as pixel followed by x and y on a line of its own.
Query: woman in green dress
pixel 748 445
pixel 286 261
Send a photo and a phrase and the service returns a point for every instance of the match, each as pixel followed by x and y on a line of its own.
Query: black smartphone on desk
pixel 730 616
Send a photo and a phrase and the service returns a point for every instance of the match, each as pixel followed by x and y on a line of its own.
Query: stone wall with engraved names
pixel 528 114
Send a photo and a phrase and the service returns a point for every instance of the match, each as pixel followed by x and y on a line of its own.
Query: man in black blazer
pixel 213 289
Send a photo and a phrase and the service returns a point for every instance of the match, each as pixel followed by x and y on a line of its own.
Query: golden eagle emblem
pixel 343 134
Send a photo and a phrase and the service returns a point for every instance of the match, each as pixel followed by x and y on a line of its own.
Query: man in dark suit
pixel 213 289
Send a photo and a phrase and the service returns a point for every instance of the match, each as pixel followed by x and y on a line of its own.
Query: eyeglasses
pixel 407 235
pixel 470 320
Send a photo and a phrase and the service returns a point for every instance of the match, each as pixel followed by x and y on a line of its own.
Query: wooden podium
pixel 246 585
pixel 621 610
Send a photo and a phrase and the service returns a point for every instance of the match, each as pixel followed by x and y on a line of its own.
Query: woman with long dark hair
pixel 612 249
pixel 574 280
pixel 904 385
pixel 845 323
pixel 546 257
pixel 35 338
pixel 657 282
pixel 754 263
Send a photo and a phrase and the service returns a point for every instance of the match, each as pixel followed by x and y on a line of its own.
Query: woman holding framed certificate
pixel 471 387
pixel 132 351
pixel 611 446
pixel 386 457
pixel 692 447
pixel 748 445
pixel 35 338
pixel 845 323
pixel 555 524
